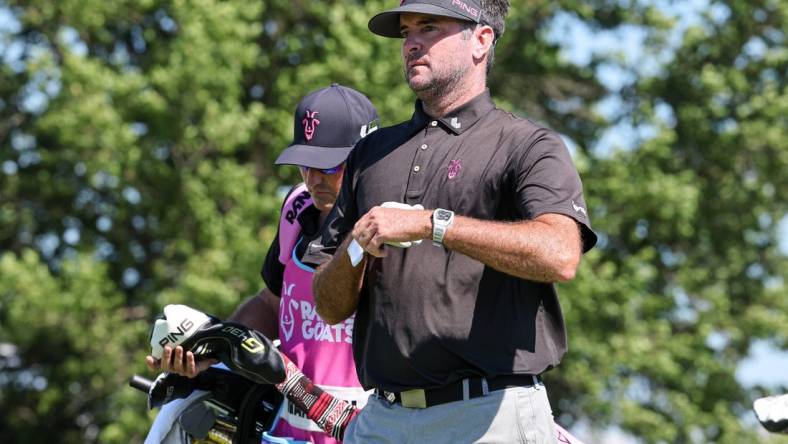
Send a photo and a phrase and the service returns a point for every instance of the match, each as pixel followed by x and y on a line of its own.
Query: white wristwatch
pixel 441 221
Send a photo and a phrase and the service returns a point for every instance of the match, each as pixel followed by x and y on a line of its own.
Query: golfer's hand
pixel 381 225
pixel 178 361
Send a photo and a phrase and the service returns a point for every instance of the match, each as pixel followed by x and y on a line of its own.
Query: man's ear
pixel 483 39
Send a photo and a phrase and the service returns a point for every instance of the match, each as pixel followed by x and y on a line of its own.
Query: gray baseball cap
pixel 326 126
pixel 386 23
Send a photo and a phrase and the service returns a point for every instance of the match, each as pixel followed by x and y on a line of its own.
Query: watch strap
pixel 441 221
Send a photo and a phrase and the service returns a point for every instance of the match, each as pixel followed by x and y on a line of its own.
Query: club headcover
pixel 245 351
pixel 178 323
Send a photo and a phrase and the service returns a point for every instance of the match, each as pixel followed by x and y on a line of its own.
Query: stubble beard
pixel 438 85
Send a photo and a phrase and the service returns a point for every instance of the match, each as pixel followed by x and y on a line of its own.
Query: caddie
pixel 327 124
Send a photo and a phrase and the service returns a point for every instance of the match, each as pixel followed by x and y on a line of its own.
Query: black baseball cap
pixel 327 124
pixel 386 23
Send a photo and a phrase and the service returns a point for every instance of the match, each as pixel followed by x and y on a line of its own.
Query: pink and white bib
pixel 323 352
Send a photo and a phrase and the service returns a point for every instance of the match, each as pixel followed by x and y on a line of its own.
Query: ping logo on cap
pixel 310 124
pixel 464 7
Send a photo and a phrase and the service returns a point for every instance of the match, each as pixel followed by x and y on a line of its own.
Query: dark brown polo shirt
pixel 429 316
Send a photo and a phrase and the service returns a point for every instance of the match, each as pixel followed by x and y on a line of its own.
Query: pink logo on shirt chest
pixel 454 168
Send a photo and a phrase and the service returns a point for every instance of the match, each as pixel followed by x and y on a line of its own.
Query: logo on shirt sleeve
pixel 369 128
pixel 579 209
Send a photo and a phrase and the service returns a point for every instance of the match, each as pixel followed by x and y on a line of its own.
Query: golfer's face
pixel 432 47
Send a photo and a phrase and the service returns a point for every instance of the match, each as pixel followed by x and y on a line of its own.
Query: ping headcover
pixel 245 351
pixel 179 322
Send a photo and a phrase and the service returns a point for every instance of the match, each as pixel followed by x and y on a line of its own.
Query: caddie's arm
pixel 336 286
pixel 259 312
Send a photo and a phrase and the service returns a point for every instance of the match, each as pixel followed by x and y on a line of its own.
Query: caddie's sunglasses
pixel 327 171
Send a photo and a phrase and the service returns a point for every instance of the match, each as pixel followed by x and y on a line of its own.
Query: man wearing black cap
pixel 454 332
pixel 327 124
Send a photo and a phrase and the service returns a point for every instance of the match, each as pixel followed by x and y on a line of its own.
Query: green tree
pixel 689 273
pixel 140 137
pixel 126 164
pixel 137 141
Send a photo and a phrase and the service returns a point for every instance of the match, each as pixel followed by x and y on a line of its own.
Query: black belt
pixel 468 388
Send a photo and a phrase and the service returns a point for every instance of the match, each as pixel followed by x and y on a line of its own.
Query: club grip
pixel 140 383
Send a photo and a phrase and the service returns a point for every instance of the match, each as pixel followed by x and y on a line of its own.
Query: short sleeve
pixel 547 182
pixel 273 271
pixel 344 214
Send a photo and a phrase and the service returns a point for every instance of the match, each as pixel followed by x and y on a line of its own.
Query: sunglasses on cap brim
pixel 327 171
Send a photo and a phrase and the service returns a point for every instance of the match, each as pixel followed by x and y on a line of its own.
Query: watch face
pixel 443 215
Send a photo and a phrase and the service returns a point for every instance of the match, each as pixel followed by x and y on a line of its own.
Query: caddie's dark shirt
pixel 429 316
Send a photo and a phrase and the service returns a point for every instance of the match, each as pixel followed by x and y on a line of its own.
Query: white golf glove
pixel 355 251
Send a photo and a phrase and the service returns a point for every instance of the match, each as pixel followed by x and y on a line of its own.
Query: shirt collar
pixel 458 120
